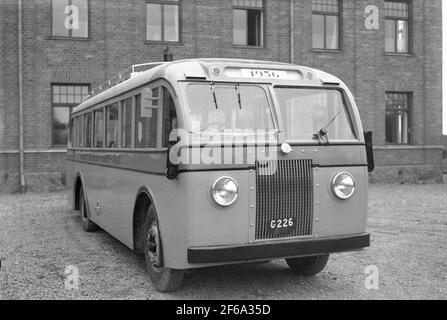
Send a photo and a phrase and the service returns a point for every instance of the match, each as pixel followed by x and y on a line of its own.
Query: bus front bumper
pixel 276 250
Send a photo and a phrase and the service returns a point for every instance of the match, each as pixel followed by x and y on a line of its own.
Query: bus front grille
pixel 284 199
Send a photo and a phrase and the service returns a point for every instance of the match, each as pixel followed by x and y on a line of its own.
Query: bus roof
pixel 214 69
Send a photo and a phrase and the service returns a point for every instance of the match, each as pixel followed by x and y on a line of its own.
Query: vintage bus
pixel 286 177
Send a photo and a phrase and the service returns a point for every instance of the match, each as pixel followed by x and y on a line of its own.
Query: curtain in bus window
pixel 126 125
pixel 145 125
pixel 98 135
pixel 112 126
pixel 169 116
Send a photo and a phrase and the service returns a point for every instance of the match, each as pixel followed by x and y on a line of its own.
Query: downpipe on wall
pixel 21 135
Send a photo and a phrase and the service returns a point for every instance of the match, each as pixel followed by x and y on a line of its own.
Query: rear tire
pixel 163 279
pixel 308 266
pixel 87 224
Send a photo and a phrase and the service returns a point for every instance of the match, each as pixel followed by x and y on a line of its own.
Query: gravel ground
pixel 40 236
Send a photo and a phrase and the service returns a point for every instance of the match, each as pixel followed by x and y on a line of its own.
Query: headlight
pixel 224 191
pixel 343 185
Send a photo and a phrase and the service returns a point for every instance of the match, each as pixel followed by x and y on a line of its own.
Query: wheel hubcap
pixel 153 245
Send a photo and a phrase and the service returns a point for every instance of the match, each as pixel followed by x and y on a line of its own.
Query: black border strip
pixel 339 165
pixel 221 254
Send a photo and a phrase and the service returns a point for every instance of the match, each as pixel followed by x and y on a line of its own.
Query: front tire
pixel 87 224
pixel 163 279
pixel 308 266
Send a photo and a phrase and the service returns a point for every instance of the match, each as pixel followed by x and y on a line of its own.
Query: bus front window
pixel 228 108
pixel 307 111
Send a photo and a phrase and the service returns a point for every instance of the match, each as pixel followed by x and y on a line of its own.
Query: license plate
pixel 282 226
pixel 264 74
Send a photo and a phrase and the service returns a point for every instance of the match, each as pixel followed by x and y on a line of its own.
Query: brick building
pixel 388 52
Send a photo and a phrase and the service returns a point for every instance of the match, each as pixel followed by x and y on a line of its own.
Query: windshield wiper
pixel 213 90
pixel 238 95
pixel 321 135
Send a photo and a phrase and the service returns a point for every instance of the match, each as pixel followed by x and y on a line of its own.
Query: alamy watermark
pixel 71 278
pixel 372 278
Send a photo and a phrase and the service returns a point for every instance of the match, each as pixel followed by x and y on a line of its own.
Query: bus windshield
pixel 228 109
pixel 305 112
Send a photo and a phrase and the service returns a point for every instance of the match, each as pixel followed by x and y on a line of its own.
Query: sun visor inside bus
pixel 194 71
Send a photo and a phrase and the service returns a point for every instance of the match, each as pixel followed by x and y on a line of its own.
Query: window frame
pixel 263 26
pixel 70 106
pixel 70 32
pixel 325 14
pixel 162 3
pixel 116 99
pixel 349 108
pixel 409 110
pixel 409 20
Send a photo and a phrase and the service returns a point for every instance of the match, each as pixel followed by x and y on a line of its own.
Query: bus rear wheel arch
pixel 80 205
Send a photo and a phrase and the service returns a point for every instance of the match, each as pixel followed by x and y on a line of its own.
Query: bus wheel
pixel 87 224
pixel 308 266
pixel 163 279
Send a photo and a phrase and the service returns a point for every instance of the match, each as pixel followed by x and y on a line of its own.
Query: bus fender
pixel 79 179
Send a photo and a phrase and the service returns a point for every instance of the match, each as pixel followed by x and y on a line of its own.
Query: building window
pixel 398 118
pixel 70 18
pixel 163 21
pixel 248 22
pixel 397 27
pixel 326 24
pixel 65 97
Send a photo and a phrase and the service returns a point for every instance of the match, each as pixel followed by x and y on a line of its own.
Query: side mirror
pixel 172 170
pixel 369 150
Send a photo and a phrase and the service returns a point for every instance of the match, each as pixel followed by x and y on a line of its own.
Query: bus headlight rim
pixel 224 187
pixel 343 185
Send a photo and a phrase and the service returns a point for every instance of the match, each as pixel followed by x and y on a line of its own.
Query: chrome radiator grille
pixel 284 198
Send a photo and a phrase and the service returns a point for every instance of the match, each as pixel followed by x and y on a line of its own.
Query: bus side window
pixel 88 129
pixel 79 132
pixel 146 119
pixel 112 126
pixel 71 134
pixel 98 133
pixel 126 123
pixel 170 121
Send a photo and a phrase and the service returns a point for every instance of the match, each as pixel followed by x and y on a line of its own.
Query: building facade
pixel 388 52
